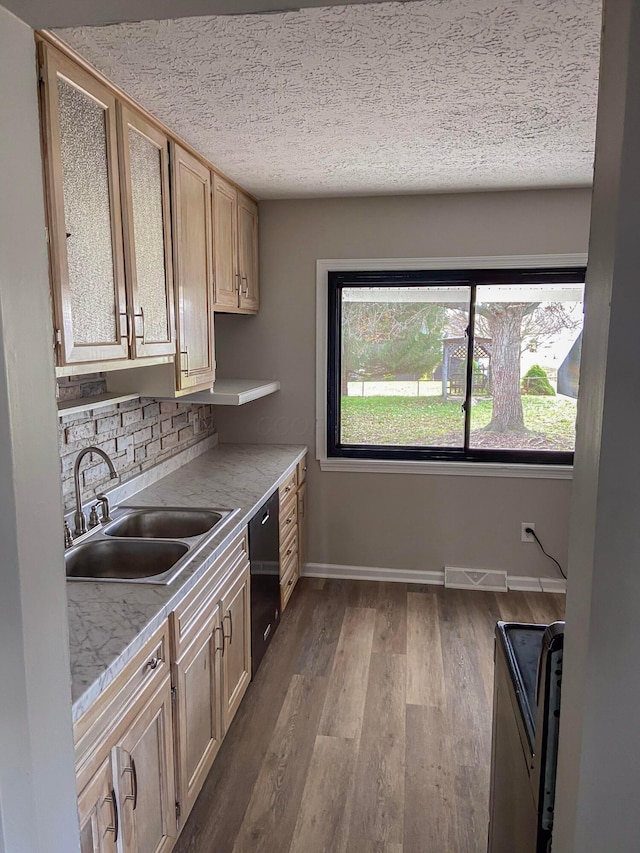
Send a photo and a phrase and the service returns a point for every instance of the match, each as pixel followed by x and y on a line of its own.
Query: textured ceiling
pixel 428 96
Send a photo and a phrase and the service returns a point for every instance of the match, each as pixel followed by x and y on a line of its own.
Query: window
pixel 454 365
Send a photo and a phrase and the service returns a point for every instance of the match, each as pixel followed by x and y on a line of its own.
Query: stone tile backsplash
pixel 136 434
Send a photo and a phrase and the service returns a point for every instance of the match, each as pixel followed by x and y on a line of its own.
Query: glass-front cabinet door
pixel 144 159
pixel 85 239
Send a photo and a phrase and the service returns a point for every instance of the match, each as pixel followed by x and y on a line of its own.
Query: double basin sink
pixel 144 544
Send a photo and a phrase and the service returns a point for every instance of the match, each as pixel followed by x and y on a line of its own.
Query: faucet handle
pixel 94 521
pixel 68 538
pixel 106 511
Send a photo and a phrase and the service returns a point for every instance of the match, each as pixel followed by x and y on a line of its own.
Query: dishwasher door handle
pixel 266 517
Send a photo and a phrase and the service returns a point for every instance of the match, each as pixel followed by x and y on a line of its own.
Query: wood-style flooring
pixel 368 726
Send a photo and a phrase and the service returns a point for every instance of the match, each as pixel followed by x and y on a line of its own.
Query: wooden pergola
pixel 454 356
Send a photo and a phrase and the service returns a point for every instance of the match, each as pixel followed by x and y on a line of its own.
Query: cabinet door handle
pixel 246 285
pixel 141 315
pixel 134 782
pixel 228 616
pixel 185 352
pixel 128 328
pixel 222 647
pixel 237 283
pixel 114 804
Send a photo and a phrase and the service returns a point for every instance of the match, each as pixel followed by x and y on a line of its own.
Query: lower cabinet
pixel 98 813
pixel 198 723
pixel 211 676
pixel 128 804
pixel 236 660
pixel 144 749
pixel 145 787
pixel 293 536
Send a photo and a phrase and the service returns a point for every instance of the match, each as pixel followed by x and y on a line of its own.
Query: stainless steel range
pixel 526 717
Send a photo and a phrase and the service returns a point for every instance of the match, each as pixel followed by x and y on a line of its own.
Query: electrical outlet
pixel 527 537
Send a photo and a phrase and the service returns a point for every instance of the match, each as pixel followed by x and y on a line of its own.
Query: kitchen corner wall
pixel 136 434
pixel 410 522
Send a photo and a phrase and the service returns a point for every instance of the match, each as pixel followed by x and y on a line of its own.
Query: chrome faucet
pixel 80 522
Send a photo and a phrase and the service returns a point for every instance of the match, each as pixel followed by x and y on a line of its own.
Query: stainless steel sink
pixel 117 559
pixel 165 523
pixel 144 544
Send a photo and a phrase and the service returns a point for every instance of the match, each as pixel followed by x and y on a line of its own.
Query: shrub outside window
pixel 467 365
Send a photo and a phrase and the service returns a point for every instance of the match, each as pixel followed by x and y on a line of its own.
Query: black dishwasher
pixel 264 555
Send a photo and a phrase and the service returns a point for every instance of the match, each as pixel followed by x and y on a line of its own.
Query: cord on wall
pixel 532 532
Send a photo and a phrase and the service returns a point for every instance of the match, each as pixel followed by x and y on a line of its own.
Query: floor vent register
pixel 489 580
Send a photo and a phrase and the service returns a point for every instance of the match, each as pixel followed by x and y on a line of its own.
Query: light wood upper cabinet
pixel 191 202
pixel 225 242
pixel 236 661
pixel 144 159
pixel 235 249
pixel 98 813
pixel 145 240
pixel 83 205
pixel 144 771
pixel 248 252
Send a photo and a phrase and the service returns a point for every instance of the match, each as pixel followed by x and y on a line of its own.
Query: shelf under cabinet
pixel 233 392
pixel 87 404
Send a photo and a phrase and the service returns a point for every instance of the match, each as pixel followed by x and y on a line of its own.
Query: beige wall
pixel 395 521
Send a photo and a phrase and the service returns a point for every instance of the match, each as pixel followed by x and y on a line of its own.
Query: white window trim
pixel 389 466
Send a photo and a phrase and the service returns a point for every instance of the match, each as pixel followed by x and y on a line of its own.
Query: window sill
pixel 456 469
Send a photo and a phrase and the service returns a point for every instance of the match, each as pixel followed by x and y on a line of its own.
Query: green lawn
pixel 423 421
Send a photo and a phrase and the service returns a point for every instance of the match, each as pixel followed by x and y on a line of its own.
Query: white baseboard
pixel 375 573
pixel 524 584
pixel 371 573
pixel 554 585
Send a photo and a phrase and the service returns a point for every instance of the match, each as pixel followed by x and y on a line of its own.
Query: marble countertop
pixel 110 622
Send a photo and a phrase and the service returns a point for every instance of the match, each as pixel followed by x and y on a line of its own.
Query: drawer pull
pixel 290 581
pixel 153 663
pixel 289 550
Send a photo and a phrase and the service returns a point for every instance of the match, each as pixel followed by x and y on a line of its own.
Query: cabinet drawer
pixel 288 518
pixel 288 487
pixel 289 564
pixel 198 606
pixel 289 579
pixel 302 470
pixel 289 543
pixel 145 671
